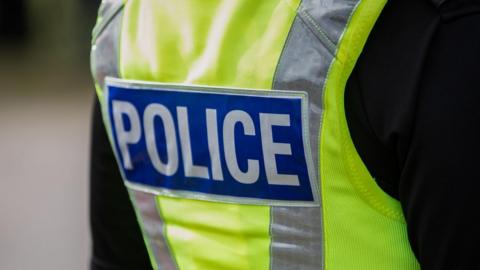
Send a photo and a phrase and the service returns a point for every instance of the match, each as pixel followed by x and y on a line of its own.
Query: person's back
pixel 222 173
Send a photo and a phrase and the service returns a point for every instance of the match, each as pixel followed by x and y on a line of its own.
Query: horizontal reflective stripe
pixel 250 146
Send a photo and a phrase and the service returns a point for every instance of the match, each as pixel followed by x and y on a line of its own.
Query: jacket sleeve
pixel 440 178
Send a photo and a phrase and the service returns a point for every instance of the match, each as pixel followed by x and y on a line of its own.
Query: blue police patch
pixel 209 143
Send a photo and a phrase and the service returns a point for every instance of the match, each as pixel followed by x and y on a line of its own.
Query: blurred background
pixel 46 95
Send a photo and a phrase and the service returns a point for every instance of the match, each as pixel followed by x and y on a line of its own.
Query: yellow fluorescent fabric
pixel 229 43
pixel 364 227
pixel 207 235
pixel 209 42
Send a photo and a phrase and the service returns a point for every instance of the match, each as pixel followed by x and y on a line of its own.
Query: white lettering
pixel 231 119
pixel 270 149
pixel 213 145
pixel 125 137
pixel 190 169
pixel 152 111
pixel 125 114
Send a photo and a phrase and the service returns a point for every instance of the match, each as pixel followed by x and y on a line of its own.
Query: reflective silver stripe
pixel 104 54
pixel 153 226
pixel 328 16
pixel 107 11
pixel 297 233
pixel 303 66
pixel 297 238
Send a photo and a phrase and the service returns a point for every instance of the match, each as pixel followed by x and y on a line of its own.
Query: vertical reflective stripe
pixel 107 11
pixel 153 226
pixel 303 66
pixel 328 17
pixel 296 238
pixel 309 52
pixel 297 233
pixel 105 47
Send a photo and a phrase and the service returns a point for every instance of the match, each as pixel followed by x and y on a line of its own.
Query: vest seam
pixel 318 32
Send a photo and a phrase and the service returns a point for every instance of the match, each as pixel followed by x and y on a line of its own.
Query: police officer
pixel 286 135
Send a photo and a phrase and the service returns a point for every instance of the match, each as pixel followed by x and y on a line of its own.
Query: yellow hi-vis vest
pixel 235 50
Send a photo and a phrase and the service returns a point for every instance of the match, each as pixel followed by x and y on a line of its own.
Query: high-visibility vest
pixel 242 46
